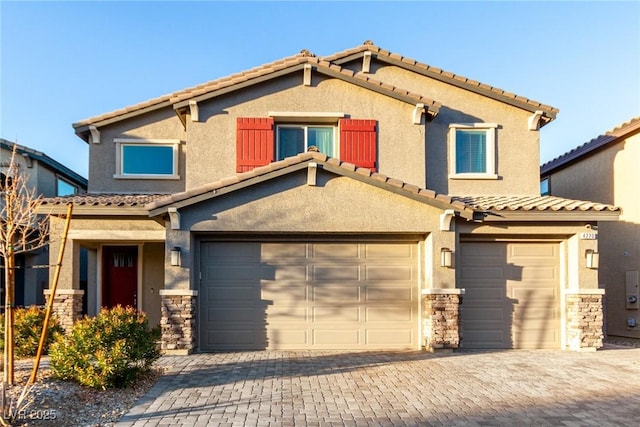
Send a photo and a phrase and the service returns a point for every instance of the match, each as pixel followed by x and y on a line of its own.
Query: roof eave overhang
pixel 431 108
pixel 551 216
pixel 79 210
pixel 549 115
pixel 460 209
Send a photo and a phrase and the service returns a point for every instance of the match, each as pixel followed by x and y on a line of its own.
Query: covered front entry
pixel 512 294
pixel 308 295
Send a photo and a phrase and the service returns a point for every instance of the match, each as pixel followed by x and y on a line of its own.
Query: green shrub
pixel 106 351
pixel 27 330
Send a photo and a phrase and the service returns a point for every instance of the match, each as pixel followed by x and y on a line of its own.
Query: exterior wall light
pixel 176 258
pixel 592 258
pixel 446 258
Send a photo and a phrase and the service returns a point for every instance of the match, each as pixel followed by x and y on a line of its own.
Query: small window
pixel 65 188
pixel 472 148
pixel 544 187
pixel 150 159
pixel 296 139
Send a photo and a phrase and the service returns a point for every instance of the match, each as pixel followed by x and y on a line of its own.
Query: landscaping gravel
pixel 61 403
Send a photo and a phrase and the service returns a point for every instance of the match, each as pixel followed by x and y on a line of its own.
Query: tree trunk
pixel 9 293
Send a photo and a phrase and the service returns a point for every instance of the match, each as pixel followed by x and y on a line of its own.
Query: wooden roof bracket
pixel 307 75
pixel 312 171
pixel 445 219
pixel 95 134
pixel 418 111
pixel 366 62
pixel 174 217
pixel 193 110
pixel 535 120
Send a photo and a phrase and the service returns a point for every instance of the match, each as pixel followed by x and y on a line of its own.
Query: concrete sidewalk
pixel 470 388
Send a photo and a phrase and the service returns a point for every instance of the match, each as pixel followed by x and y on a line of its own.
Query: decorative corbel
pixel 445 219
pixel 193 109
pixel 366 62
pixel 307 75
pixel 95 134
pixel 174 217
pixel 312 171
pixel 418 111
pixel 535 119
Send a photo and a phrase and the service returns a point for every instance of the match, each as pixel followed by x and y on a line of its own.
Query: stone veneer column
pixel 178 321
pixel 441 318
pixel 67 306
pixel 584 319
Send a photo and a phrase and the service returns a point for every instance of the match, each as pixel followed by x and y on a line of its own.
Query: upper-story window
pixel 260 140
pixel 146 159
pixel 472 151
pixel 544 187
pixel 65 188
pixel 295 139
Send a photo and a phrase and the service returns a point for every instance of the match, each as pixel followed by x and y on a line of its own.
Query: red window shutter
pixel 254 143
pixel 358 142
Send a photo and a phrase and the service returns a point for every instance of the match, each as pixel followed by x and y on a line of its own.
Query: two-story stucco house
pixel 351 201
pixel 48 178
pixel 605 169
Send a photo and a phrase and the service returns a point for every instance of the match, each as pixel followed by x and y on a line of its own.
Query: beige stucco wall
pixel 287 206
pixel 415 153
pixel 517 148
pixel 161 124
pixel 609 176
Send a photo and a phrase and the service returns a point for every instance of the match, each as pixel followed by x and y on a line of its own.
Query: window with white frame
pixel 472 149
pixel 147 159
pixel 295 139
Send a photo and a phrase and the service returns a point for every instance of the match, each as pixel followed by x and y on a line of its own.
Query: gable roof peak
pixel 306 53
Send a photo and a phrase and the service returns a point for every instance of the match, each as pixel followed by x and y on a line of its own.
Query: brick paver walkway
pixel 500 388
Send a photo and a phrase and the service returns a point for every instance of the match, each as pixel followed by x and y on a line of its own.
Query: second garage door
pixel 512 295
pixel 308 295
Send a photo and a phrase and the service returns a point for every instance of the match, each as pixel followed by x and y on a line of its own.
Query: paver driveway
pixel 395 388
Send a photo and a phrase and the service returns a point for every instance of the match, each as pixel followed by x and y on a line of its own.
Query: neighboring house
pixel 605 169
pixel 49 179
pixel 338 202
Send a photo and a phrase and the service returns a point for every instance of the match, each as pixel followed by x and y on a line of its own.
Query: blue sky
pixel 62 62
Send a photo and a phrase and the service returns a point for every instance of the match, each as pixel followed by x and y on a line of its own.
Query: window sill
pixel 474 176
pixel 174 177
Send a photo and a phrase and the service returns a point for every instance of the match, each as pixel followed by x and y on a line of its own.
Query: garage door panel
pixel 283 338
pixel 533 250
pixel 339 251
pixel 336 294
pixel 478 293
pixel 309 295
pixel 388 272
pixel 535 296
pixel 282 251
pixel 486 314
pixel 337 338
pixel 536 272
pixel 236 293
pixel 344 272
pixel 291 313
pixel 288 291
pixel 391 252
pixel 336 314
pixel 387 294
pixel 387 314
pixel 482 273
pixel 390 337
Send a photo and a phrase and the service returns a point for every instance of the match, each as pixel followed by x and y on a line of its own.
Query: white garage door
pixel 512 295
pixel 308 295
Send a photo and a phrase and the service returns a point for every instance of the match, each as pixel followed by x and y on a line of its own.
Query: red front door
pixel 120 285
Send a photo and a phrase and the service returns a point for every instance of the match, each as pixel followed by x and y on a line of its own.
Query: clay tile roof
pixel 532 203
pixel 607 138
pixel 103 200
pixel 443 75
pixel 394 184
pixel 304 57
